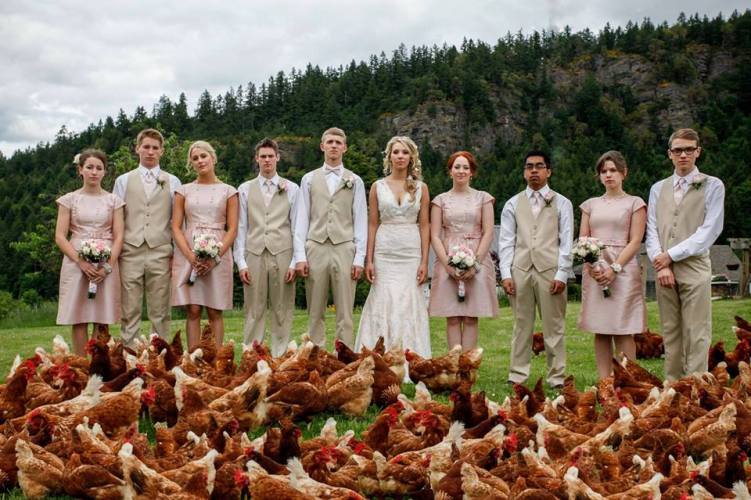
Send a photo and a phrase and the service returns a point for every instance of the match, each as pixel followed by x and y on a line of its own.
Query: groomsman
pixel 147 248
pixel 263 249
pixel 331 234
pixel 535 261
pixel 684 218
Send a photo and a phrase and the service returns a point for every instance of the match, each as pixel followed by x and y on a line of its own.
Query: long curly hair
pixel 414 169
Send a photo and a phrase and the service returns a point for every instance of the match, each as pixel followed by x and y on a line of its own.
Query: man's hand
pixel 290 275
pixel 244 276
pixel 557 287
pixel 662 261
pixel 666 277
pixel 356 272
pixel 508 286
pixel 302 269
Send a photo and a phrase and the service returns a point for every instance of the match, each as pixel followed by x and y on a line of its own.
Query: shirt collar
pixel 274 180
pixel 689 176
pixel 156 171
pixel 544 190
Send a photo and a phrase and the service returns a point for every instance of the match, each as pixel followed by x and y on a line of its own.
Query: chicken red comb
pixel 241 479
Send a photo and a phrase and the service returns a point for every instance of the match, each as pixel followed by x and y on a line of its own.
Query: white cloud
pixel 75 62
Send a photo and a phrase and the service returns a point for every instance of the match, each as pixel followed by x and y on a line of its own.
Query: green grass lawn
pixel 495 338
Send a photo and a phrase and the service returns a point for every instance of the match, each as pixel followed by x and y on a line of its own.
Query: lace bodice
pixel 393 212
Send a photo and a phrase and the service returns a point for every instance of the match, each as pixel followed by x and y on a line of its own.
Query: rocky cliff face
pixel 445 127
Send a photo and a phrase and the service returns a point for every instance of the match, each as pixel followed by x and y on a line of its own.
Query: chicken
pixel 439 373
pixel 207 344
pixel 40 473
pixel 470 409
pixel 207 392
pixel 649 345
pixel 283 443
pixel 556 439
pixel 479 484
pixel 344 353
pixel 300 399
pixel 183 475
pixel 162 406
pixel 11 397
pixel 396 362
pixel 715 434
pixel 263 486
pixel 401 477
pixel 90 480
pixel 141 481
pixel 301 481
pixel 352 395
pixel 538 343
pixel 386 385
pixel 115 413
pixel 326 467
pixel 400 439
pixel 578 488
pixel 742 352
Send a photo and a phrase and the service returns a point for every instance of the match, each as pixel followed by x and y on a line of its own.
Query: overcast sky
pixel 75 62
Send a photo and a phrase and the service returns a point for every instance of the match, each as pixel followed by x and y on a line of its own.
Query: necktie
pixel 268 193
pixel 679 193
pixel 150 183
pixel 536 203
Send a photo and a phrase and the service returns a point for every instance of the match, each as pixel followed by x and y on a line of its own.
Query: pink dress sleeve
pixel 586 206
pixel 65 200
pixel 638 203
pixel 180 189
pixel 438 201
pixel 230 192
pixel 486 198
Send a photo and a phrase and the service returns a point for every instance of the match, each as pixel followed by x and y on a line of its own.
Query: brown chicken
pixel 352 394
pixel 12 394
pixel 90 480
pixel 282 443
pixel 263 486
pixel 40 473
pixel 438 374
pixel 301 481
pixel 300 399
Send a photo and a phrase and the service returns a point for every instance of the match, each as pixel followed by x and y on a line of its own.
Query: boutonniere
pixel 282 187
pixel 348 183
pixel 699 180
pixel 160 182
pixel 548 198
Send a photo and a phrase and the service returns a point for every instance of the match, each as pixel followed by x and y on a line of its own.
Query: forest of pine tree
pixel 574 94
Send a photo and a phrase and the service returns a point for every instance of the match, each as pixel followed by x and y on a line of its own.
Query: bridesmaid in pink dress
pixel 462 216
pixel 89 213
pixel 206 206
pixel 618 220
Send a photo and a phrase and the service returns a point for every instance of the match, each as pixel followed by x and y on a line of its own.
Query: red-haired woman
pixel 462 217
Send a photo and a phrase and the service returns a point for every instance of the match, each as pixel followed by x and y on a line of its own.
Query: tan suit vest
pixel 268 227
pixel 147 219
pixel 677 223
pixel 331 215
pixel 536 239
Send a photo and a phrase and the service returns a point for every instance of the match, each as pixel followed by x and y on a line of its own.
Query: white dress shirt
pixel 238 249
pixel 121 183
pixel 507 236
pixel 359 213
pixel 705 235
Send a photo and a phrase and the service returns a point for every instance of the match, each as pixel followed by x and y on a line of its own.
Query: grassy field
pixel 495 337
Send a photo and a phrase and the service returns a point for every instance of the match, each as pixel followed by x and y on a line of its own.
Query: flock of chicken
pixel 70 425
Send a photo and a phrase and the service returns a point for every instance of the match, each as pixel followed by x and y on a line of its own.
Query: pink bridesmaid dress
pixel 462 225
pixel 90 218
pixel 624 312
pixel 205 213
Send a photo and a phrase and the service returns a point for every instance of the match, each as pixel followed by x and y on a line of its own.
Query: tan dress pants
pixel 143 268
pixel 686 317
pixel 267 289
pixel 330 266
pixel 532 294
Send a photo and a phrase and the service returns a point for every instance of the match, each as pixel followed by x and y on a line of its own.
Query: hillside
pixel 575 94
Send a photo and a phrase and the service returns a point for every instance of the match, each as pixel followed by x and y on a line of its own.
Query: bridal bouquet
pixel 205 246
pixel 589 250
pixel 462 258
pixel 96 252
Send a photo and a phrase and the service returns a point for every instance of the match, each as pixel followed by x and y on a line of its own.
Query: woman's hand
pixel 205 266
pixel 468 274
pixel 590 270
pixel 605 277
pixel 422 273
pixel 370 272
pixel 453 272
pixel 88 269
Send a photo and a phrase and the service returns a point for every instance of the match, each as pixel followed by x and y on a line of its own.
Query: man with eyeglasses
pixel 534 248
pixel 684 218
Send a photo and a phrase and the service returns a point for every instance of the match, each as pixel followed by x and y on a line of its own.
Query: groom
pixel 534 248
pixel 147 248
pixel 331 234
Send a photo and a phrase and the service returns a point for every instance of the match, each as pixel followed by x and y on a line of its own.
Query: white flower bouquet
pixel 205 246
pixel 589 250
pixel 462 258
pixel 95 252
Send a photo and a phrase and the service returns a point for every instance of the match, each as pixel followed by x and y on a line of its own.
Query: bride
pixel 397 258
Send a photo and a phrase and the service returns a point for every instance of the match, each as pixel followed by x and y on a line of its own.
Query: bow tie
pixel 337 171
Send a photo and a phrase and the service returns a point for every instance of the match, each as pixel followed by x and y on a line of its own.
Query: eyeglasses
pixel 679 151
pixel 535 166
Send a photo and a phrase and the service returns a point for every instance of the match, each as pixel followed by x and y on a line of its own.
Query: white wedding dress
pixel 396 307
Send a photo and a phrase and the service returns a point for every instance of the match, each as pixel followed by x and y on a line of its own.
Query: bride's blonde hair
pixel 414 169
